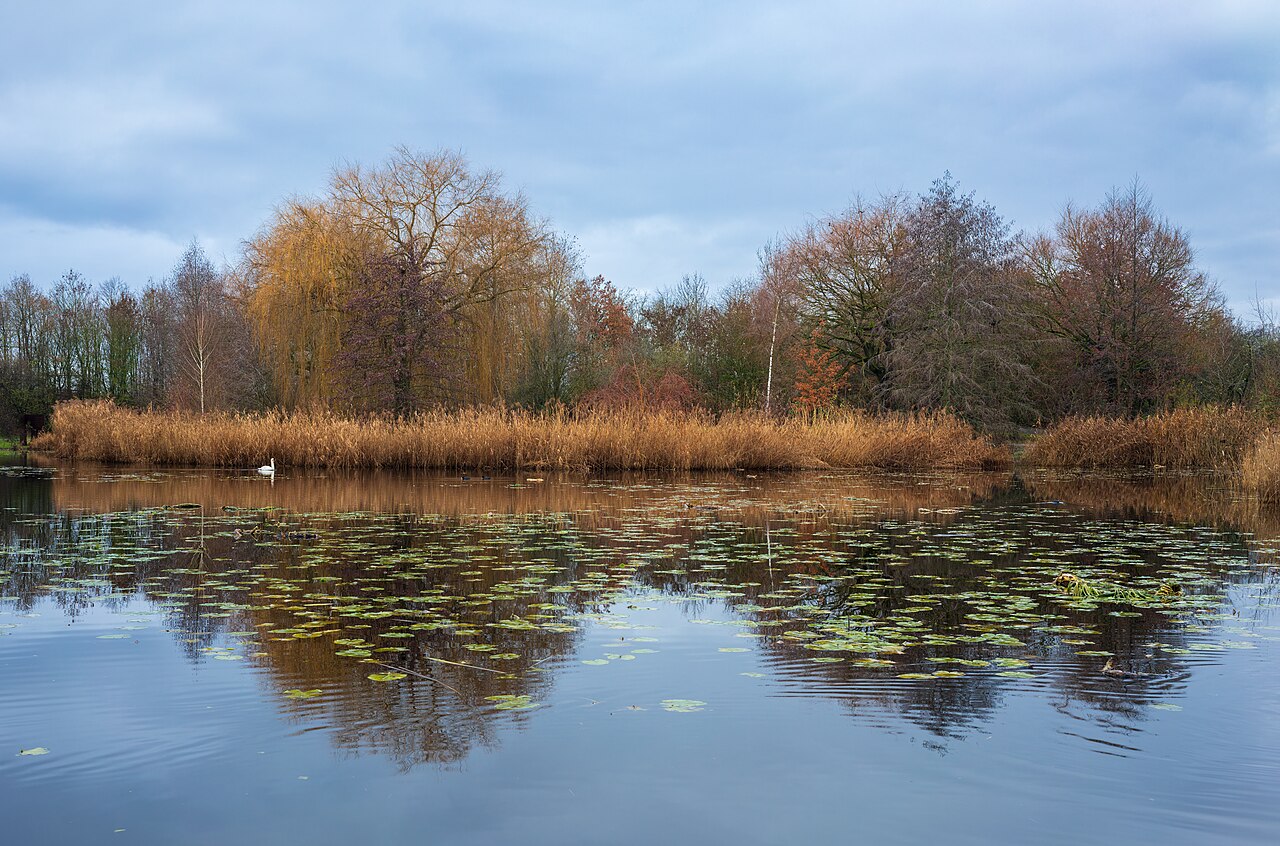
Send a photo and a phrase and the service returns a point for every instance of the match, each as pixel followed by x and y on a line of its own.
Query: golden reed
pixel 516 440
pixel 1186 439
pixel 1260 470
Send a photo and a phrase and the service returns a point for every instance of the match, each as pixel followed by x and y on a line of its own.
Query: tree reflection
pixel 476 591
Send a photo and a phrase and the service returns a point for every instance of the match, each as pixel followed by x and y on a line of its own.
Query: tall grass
pixel 1186 439
pixel 515 440
pixel 1260 470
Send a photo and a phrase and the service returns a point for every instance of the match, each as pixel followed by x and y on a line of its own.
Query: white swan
pixel 268 469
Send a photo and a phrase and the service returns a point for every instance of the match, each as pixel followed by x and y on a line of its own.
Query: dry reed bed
pixel 513 440
pixel 1260 470
pixel 1186 439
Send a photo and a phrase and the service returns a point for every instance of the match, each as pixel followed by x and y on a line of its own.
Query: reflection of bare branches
pixel 442 556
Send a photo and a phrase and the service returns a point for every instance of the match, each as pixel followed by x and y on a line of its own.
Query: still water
pixel 211 657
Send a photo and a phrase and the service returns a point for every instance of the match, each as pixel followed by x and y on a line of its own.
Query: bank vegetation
pixel 515 440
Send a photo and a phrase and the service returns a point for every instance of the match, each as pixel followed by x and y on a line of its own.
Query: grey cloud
pixel 724 122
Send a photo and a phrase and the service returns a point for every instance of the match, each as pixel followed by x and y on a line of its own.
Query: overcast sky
pixel 673 138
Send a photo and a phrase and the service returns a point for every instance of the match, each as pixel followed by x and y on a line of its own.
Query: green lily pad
pixel 513 702
pixel 296 693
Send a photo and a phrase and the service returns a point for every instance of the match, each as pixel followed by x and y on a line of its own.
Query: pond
pixel 198 656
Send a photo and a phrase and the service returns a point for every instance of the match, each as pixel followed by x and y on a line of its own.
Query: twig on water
pixel 419 675
pixel 469 666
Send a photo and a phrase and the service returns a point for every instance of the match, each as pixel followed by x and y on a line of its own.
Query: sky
pixel 667 138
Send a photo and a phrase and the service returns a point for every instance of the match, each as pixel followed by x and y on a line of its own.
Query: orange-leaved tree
pixel 819 377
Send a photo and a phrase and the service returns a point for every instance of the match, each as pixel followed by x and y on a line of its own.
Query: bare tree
pixel 201 303
pixel 960 313
pixel 157 356
pixel 1120 287
pixel 27 329
pixel 846 270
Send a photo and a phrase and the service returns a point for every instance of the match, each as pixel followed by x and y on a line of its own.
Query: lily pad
pixel 296 693
pixel 513 702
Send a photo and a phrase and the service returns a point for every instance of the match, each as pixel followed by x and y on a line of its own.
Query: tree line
pixel 423 282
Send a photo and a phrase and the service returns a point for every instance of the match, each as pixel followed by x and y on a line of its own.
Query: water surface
pixel 212 657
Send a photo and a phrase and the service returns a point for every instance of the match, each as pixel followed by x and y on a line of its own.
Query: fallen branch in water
pixel 407 671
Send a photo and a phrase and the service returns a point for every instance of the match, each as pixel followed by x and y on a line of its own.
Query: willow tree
pixel 451 248
pixel 544 332
pixel 302 269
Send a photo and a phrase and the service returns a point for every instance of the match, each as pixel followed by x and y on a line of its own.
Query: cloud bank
pixel 674 138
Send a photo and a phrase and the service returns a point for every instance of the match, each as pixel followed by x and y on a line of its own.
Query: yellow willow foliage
pixel 520 273
pixel 302 266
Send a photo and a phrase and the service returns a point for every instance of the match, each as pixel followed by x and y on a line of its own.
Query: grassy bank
pixel 509 440
pixel 1187 439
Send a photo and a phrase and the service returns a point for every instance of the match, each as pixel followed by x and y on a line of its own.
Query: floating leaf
pixel 387 677
pixel 510 702
pixel 295 693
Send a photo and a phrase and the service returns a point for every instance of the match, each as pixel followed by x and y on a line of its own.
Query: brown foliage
pixel 818 382
pixel 631 390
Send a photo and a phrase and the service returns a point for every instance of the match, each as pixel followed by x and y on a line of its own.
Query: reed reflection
pixel 907 599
